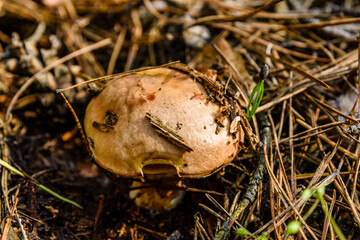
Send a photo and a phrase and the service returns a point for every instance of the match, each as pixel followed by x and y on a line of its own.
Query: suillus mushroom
pixel 166 122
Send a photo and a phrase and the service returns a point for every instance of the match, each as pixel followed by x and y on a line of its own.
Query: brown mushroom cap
pixel 124 142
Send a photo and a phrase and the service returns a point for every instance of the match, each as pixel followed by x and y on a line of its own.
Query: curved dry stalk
pixel 83 135
pixel 299 136
pixel 62 60
pixel 137 32
pixel 325 23
pixel 327 140
pixel 113 76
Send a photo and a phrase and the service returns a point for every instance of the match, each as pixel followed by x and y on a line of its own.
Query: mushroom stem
pixel 155 197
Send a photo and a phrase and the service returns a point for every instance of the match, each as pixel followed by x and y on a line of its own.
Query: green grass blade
pixel 258 98
pixel 18 172
pixel 248 110
pixel 11 168
pixel 64 199
pixel 251 110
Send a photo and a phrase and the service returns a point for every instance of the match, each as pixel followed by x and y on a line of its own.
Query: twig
pixel 283 98
pixel 254 183
pixel 301 71
pixel 332 221
pixel 209 210
pixel 282 167
pixel 333 109
pixel 354 187
pixel 236 72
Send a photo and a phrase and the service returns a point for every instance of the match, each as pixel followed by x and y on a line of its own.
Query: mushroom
pixel 160 123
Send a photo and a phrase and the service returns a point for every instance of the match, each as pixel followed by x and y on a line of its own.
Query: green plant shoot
pixel 259 91
pixel 294 226
pixel 243 232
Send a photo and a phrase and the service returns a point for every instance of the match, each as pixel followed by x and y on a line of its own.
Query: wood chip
pixel 103 127
pixel 111 118
pixel 234 125
pixel 167 132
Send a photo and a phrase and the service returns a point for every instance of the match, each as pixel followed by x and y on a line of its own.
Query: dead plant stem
pixel 62 60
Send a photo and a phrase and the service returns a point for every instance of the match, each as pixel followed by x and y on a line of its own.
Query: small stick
pixel 201 77
pixel 238 75
pixel 209 210
pixel 281 99
pixel 281 162
pixel 253 184
pixel 167 132
pixel 332 109
pixel 357 166
pixel 21 226
pixel 310 175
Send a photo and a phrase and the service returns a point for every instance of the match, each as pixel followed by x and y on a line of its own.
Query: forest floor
pixel 310 101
